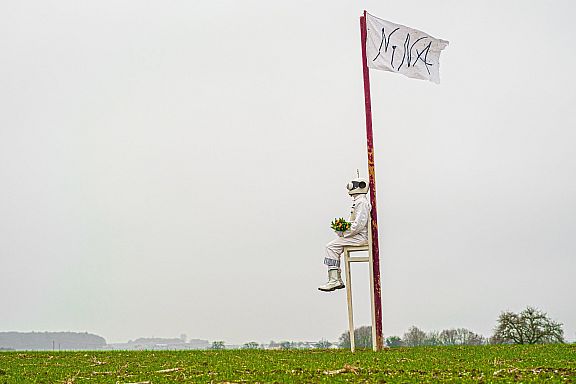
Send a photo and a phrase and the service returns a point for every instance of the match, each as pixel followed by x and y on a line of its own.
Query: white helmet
pixel 357 186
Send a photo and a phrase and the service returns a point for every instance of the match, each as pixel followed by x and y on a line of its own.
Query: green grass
pixel 524 363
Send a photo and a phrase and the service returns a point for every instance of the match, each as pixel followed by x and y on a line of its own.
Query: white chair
pixel 348 259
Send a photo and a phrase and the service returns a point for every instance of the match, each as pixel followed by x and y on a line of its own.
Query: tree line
pixel 530 326
pixel 322 344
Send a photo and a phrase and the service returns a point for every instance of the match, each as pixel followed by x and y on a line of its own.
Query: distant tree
pixel 323 344
pixel 467 337
pixel 183 337
pixel 432 338
pixel 460 336
pixel 217 345
pixel 251 345
pixel 414 337
pixel 394 341
pixel 449 337
pixel 273 345
pixel 285 345
pixel 531 326
pixel 362 338
pixel 296 345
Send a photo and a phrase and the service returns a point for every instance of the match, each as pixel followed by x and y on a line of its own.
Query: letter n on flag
pixel 397 48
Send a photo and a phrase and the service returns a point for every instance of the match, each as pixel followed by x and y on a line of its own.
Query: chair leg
pixel 349 299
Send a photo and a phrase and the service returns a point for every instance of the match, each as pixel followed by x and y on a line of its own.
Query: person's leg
pixel 334 251
pixel 335 248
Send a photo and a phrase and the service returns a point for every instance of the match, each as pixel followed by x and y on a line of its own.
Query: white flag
pixel 397 48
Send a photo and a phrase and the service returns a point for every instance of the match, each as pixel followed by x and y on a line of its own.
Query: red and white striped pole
pixel 376 294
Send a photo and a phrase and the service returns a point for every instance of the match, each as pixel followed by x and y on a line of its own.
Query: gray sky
pixel 172 167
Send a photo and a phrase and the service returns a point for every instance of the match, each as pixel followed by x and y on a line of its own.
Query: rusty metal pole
pixel 372 177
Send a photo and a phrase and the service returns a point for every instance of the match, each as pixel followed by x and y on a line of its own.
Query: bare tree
pixel 414 337
pixel 531 326
pixel 394 341
pixel 362 338
pixel 217 345
pixel 432 338
pixel 449 337
pixel 460 336
pixel 286 345
pixel 467 337
pixel 323 344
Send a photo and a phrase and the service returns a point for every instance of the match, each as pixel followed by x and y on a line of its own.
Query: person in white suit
pixel 356 235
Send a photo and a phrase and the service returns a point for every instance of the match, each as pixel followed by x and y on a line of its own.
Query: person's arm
pixel 362 214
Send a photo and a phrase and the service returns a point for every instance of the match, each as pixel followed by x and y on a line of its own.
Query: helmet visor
pixel 355 184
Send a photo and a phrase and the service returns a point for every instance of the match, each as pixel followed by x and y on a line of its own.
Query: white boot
pixel 340 280
pixel 334 281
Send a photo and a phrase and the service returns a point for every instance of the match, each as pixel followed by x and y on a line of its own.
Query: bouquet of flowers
pixel 340 225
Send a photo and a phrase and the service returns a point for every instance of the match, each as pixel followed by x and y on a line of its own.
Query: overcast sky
pixel 172 167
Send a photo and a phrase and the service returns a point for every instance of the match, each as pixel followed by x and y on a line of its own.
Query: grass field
pixel 536 363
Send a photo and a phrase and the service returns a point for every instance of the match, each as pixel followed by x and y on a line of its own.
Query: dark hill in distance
pixel 50 340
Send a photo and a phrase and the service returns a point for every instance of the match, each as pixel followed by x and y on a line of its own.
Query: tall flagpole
pixel 377 304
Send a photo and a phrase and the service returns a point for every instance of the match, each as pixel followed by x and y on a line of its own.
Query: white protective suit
pixel 356 235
